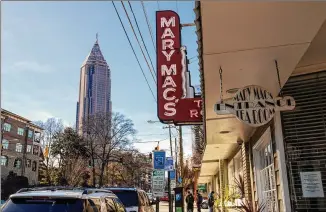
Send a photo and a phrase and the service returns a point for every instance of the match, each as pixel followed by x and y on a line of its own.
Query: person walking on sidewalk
pixel 190 202
pixel 199 201
pixel 211 201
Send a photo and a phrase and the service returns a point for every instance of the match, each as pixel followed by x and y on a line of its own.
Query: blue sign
pixel 180 180
pixel 172 175
pixel 169 164
pixel 159 159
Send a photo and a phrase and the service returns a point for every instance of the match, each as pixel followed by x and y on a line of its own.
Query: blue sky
pixel 43 45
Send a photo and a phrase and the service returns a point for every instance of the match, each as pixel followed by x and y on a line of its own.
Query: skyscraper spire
pixel 97 37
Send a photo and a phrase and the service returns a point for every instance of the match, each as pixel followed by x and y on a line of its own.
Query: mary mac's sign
pixel 254 105
pixel 176 98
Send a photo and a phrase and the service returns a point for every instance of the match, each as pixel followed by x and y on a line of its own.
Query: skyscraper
pixel 94 86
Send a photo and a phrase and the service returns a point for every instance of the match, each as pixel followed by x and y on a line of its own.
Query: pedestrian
pixel 190 202
pixel 211 201
pixel 199 201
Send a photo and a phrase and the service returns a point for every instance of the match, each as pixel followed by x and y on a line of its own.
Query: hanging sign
pixel 176 99
pixel 254 105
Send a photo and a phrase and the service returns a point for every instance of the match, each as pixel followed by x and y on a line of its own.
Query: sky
pixel 43 45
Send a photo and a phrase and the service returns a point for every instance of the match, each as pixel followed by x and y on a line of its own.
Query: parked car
pixel 134 200
pixel 58 199
pixel 165 197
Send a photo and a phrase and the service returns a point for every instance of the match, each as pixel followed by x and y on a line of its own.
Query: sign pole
pixel 157 204
pixel 169 192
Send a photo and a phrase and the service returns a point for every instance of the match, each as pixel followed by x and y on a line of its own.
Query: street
pixel 164 207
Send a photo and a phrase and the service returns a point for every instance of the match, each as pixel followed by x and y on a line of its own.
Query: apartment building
pixel 21 150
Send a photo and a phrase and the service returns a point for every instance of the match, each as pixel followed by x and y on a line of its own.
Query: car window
pixel 94 205
pixel 144 198
pixel 110 207
pixel 53 205
pixel 119 204
pixel 128 198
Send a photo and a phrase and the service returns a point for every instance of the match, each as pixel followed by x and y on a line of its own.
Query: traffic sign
pixel 172 175
pixel 159 159
pixel 158 183
pixel 169 164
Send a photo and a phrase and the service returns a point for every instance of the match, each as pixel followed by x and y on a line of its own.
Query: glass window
pixel 28 163
pixel 120 207
pixel 20 131
pixel 5 144
pixel 30 134
pixel 7 127
pixel 128 198
pixel 110 205
pixel 34 166
pixel 18 163
pixel 53 205
pixel 36 150
pixel 29 148
pixel 94 205
pixel 19 147
pixel 4 160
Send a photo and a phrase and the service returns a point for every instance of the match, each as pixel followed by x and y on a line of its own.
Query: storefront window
pixel 264 172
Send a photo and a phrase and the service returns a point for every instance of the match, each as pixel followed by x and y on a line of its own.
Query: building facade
pixel 280 160
pixel 21 150
pixel 94 86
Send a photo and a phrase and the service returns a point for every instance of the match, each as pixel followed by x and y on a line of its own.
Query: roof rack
pixel 56 188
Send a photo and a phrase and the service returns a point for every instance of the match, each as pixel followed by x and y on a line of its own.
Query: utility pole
pixel 181 152
pixel 169 177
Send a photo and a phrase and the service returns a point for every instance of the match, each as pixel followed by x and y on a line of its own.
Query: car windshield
pixel 43 205
pixel 128 198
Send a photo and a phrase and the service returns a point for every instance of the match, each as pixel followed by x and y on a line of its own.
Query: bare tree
pixel 51 126
pixel 108 134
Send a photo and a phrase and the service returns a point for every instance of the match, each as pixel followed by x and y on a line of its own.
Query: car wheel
pixel 204 205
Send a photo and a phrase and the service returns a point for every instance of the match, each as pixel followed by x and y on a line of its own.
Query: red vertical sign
pixel 173 106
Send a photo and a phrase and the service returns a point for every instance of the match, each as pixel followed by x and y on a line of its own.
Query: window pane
pixel 30 134
pixel 4 160
pixel 20 131
pixel 19 147
pixel 5 144
pixel 53 205
pixel 110 205
pixel 7 127
pixel 128 198
pixel 29 148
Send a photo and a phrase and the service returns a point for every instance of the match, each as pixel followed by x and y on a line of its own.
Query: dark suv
pixel 134 200
pixel 54 199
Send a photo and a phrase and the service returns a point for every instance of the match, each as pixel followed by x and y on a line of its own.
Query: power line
pixel 141 36
pixel 148 24
pixel 176 4
pixel 133 30
pixel 142 70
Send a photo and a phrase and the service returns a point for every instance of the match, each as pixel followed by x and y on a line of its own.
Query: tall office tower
pixel 94 86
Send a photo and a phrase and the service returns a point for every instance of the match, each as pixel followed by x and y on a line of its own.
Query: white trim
pixel 281 162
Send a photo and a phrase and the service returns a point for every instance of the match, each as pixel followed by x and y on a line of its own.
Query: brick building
pixel 20 141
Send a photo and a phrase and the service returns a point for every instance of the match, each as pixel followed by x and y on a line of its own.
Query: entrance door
pixel 264 172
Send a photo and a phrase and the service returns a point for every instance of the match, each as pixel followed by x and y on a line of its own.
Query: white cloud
pixel 29 66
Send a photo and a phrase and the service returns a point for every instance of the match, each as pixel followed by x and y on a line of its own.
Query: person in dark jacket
pixel 199 201
pixel 190 202
pixel 211 201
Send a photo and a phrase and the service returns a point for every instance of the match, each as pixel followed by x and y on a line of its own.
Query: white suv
pixel 58 199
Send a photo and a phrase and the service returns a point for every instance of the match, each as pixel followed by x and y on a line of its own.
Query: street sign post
pixel 159 160
pixel 169 164
pixel 158 183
